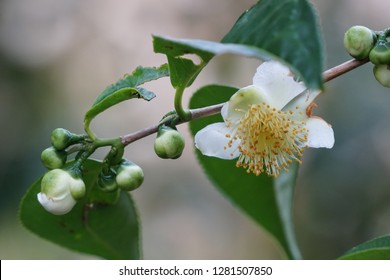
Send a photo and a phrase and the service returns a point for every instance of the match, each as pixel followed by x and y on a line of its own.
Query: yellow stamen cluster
pixel 269 139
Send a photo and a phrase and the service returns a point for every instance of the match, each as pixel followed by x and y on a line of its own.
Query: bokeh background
pixel 57 56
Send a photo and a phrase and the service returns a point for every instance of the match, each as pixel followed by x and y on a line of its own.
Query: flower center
pixel 269 139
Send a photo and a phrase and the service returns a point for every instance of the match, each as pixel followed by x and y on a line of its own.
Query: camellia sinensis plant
pixel 250 141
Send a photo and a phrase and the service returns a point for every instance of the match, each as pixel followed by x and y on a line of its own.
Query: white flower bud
pixel 59 191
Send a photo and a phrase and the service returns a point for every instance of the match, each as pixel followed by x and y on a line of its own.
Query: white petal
pixel 240 101
pixel 278 83
pixel 54 206
pixel 320 133
pixel 225 110
pixel 302 101
pixel 212 140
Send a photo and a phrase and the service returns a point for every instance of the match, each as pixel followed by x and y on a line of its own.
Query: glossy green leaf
pixel 375 249
pixel 179 47
pixel 268 202
pixel 287 29
pixel 127 88
pixel 206 50
pixel 100 228
pixel 183 71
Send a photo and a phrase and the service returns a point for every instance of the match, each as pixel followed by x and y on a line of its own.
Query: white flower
pixel 59 191
pixel 267 125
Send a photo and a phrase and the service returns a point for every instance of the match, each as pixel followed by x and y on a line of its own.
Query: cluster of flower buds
pixel 362 43
pixel 61 187
pixel 55 156
pixel 126 176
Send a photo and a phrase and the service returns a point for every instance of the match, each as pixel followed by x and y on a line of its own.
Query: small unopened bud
pixel 169 143
pixel 380 54
pixel 107 182
pixel 62 138
pixel 77 188
pixel 358 41
pixel 382 74
pixel 129 176
pixel 53 158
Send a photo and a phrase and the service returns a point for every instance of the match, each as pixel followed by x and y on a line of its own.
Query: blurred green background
pixel 57 56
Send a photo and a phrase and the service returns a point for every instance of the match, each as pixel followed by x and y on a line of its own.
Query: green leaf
pixel 183 71
pixel 268 202
pixel 179 47
pixel 287 29
pixel 103 229
pixel 375 249
pixel 139 76
pixel 206 50
pixel 127 88
pixel 304 58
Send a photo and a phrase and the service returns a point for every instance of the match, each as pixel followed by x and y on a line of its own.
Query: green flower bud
pixel 107 182
pixel 169 143
pixel 77 187
pixel 358 41
pixel 382 74
pixel 380 54
pixel 53 158
pixel 129 176
pixel 61 138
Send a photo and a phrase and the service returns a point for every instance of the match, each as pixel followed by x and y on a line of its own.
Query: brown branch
pixel 195 114
pixel 328 75
pixel 342 69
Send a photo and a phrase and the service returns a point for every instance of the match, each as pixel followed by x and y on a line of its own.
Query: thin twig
pixel 342 69
pixel 328 75
pixel 195 114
